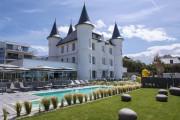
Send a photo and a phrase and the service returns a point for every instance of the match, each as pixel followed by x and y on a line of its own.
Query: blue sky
pixel 149 27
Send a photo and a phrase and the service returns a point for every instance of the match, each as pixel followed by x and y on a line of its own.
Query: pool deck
pixel 7 100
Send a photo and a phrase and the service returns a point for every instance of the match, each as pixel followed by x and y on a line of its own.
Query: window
pixel 111 62
pixel 103 49
pixel 103 61
pixel 90 44
pixel 111 74
pixel 9 46
pixel 62 49
pixel 110 51
pixel 67 59
pixel 93 46
pixel 171 61
pixel 73 59
pixel 67 48
pixel 93 60
pixel 89 58
pixel 73 47
pixel 93 74
pixel 25 49
pixel 62 59
pixel 103 74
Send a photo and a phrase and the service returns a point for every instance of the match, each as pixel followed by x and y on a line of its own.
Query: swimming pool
pixel 60 93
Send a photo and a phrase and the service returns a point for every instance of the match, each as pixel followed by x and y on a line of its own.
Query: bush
pixel 5 113
pixel 39 108
pixel 85 98
pixel 46 103
pixel 105 93
pixel 80 98
pixel 97 94
pixel 62 103
pixel 94 95
pixel 90 97
pixel 28 107
pixel 101 93
pixel 18 107
pixel 113 91
pixel 54 101
pixel 74 97
pixel 109 92
pixel 68 99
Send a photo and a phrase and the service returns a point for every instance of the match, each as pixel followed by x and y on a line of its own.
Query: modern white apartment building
pixel 10 51
pixel 96 58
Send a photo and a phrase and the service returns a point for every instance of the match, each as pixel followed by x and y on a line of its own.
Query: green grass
pixel 143 103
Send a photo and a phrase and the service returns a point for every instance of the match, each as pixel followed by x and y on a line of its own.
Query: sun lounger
pixel 23 88
pixel 72 84
pixel 12 88
pixel 48 86
pixel 2 87
pixel 78 82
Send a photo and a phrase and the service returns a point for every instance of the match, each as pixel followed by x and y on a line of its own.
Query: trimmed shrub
pixel 109 92
pixel 5 113
pixel 85 98
pixel 94 95
pixel 39 108
pixel 113 91
pixel 105 93
pixel 97 94
pixel 68 99
pixel 80 98
pixel 101 93
pixel 46 103
pixel 62 103
pixel 54 101
pixel 28 107
pixel 74 97
pixel 90 97
pixel 18 108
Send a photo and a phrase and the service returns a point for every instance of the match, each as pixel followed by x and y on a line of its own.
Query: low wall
pixel 156 82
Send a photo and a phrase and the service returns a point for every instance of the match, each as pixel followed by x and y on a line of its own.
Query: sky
pixel 149 27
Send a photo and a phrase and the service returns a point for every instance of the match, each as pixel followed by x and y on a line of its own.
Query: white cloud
pixel 33 11
pixel 63 29
pixel 144 33
pixel 148 55
pixel 40 50
pixel 140 31
pixel 100 24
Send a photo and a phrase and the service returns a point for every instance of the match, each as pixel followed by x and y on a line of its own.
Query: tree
pixel 132 65
pixel 158 65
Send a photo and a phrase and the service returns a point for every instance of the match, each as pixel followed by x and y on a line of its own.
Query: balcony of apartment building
pixel 18 49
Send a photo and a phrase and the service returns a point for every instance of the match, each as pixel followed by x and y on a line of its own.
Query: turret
pixel 84 35
pixel 116 40
pixel 53 40
pixel 70 29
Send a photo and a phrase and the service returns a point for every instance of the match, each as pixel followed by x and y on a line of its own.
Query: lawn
pixel 107 109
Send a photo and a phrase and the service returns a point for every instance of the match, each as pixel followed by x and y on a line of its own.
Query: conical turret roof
pixel 54 31
pixel 116 33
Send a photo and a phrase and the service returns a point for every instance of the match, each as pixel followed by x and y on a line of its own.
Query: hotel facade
pixel 94 56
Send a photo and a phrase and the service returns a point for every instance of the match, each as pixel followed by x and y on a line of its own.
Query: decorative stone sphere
pixel 127 114
pixel 126 97
pixel 174 91
pixel 163 91
pixel 161 98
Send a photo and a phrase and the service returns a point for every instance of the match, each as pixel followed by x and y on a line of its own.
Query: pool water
pixel 60 94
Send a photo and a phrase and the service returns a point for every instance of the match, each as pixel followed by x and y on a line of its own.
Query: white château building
pixel 96 58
